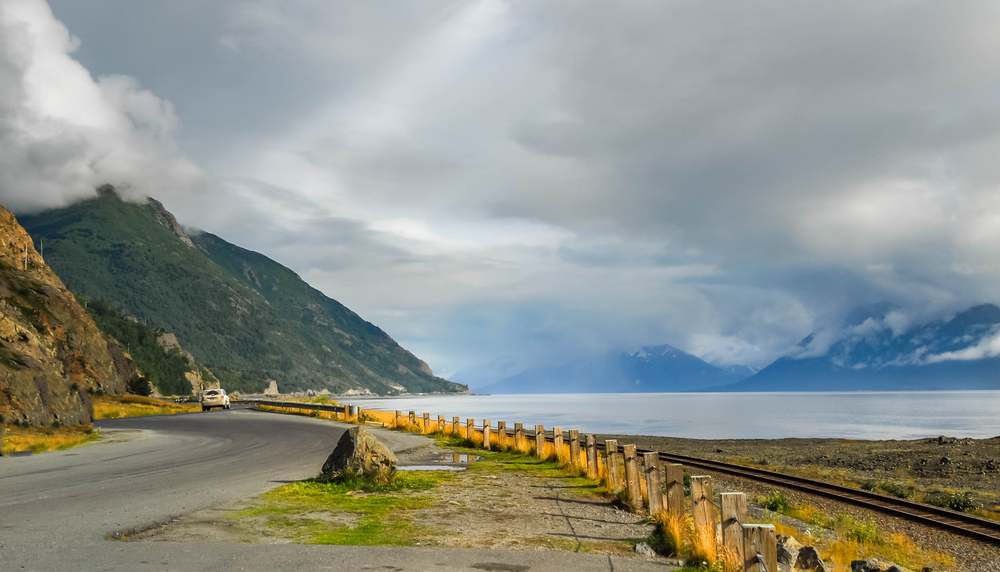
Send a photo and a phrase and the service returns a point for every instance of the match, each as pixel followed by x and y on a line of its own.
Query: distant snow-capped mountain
pixel 647 369
pixel 878 352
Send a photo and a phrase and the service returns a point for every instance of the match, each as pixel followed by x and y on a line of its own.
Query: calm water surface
pixel 861 415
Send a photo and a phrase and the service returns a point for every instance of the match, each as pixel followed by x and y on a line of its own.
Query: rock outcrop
pixel 199 378
pixel 359 453
pixel 809 559
pixel 51 352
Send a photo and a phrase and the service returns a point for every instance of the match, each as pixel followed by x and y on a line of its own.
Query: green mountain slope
pixel 244 316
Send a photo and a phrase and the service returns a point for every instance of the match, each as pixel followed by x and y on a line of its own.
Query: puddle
pixel 430 468
pixel 457 458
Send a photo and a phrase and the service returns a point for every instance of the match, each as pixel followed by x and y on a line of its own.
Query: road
pixel 57 508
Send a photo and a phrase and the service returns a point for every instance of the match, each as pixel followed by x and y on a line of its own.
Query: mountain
pixel 245 317
pixel 488 373
pixel 51 352
pixel 645 370
pixel 873 353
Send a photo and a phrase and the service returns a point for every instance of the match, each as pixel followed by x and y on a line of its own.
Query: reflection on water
pixel 855 415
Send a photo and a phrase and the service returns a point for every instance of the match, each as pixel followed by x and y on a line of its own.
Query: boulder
pixel 868 565
pixel 788 552
pixel 359 453
pixel 808 559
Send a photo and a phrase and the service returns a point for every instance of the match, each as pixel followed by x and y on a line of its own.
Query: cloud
pixel 988 347
pixel 62 133
pixel 495 178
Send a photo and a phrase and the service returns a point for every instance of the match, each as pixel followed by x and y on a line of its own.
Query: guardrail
pixel 634 472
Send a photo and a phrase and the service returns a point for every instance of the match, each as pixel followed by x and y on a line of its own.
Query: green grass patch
pixel 378 515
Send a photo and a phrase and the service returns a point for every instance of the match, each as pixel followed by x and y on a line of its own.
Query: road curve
pixel 56 509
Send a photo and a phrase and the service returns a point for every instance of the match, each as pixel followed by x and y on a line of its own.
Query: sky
pixel 540 180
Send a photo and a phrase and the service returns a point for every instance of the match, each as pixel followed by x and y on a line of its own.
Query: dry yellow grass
pixel 39 439
pixel 116 406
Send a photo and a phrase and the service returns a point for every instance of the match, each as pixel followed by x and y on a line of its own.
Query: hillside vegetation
pixel 244 316
pixel 164 367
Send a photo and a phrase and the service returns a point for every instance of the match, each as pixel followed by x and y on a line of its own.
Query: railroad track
pixel 956 522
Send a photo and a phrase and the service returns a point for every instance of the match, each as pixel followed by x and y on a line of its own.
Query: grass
pixel 853 539
pixel 40 439
pixel 116 406
pixel 382 515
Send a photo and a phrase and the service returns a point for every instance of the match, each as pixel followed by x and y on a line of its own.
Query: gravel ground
pixel 972 465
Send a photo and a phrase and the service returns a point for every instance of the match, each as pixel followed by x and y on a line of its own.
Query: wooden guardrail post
pixel 611 457
pixel 592 469
pixel 470 428
pixel 734 514
pixel 675 488
pixel 441 424
pixel 501 434
pixel 361 414
pixel 399 418
pixel 574 447
pixel 557 441
pixel 654 487
pixel 760 548
pixel 632 476
pixel 519 437
pixel 427 422
pixel 486 434
pixel 540 441
pixel 456 427
pixel 701 502
pixel 413 419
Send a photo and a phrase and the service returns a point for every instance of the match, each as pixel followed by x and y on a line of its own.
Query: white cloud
pixel 62 134
pixel 987 347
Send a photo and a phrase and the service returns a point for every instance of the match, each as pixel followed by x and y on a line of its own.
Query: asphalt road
pixel 57 508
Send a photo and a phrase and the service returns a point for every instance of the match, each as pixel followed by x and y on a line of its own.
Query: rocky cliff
pixel 51 352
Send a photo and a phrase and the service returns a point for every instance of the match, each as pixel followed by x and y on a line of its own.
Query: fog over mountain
pixel 541 180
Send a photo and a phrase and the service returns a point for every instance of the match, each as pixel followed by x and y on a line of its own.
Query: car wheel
pixel 203 408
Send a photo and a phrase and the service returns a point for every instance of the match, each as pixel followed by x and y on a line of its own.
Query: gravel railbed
pixel 860 461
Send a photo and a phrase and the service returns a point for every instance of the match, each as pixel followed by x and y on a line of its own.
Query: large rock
pixel 875 565
pixel 808 559
pixel 359 453
pixel 788 552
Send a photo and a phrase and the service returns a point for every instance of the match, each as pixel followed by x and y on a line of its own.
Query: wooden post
pixel 486 434
pixel 399 418
pixel 654 487
pixel 441 424
pixel 470 428
pixel 574 447
pixel 427 422
pixel 557 441
pixel 540 441
pixel 611 454
pixel 701 501
pixel 456 426
pixel 413 419
pixel 519 437
pixel 632 476
pixel 675 488
pixel 592 470
pixel 760 548
pixel 501 434
pixel 734 514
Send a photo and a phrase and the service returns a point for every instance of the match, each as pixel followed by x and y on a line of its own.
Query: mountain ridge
pixel 245 317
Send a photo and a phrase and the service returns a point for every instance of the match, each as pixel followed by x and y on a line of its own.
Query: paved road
pixel 56 509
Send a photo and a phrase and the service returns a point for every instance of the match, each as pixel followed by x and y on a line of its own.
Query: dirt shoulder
pixel 500 501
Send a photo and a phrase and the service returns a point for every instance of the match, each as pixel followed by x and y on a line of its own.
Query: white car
pixel 214 398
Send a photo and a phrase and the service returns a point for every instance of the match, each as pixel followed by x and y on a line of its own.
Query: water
pixel 854 415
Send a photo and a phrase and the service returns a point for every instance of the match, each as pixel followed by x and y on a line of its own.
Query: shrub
pixel 775 502
pixel 961 502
